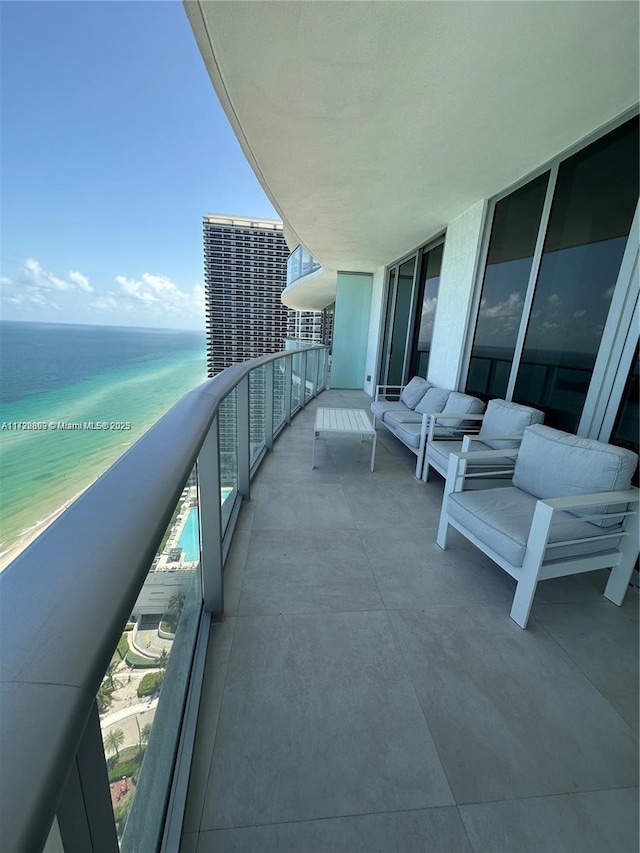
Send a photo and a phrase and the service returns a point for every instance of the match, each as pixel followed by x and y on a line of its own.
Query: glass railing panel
pixel 279 378
pixel 257 408
pixel 322 367
pixel 296 381
pixel 300 263
pixel 142 695
pixel 228 442
pixel 310 381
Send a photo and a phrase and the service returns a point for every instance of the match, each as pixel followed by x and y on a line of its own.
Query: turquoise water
pixel 80 374
pixel 189 539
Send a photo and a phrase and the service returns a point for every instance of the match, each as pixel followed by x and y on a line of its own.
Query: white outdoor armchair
pixel 502 426
pixel 570 509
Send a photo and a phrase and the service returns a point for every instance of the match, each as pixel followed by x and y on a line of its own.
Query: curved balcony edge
pixel 65 599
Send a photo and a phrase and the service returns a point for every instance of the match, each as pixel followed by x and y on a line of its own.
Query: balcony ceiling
pixel 371 125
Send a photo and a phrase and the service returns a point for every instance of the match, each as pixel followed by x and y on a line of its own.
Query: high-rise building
pixel 245 271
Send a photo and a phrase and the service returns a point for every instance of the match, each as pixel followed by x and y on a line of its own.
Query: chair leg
pixel 620 576
pixel 425 473
pixel 523 599
pixel 443 529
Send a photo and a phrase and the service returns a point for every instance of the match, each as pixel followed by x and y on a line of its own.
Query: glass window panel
pixel 278 393
pixel 311 373
pixel 594 203
pixel 404 292
pixel 391 295
pixel 429 283
pixel 144 689
pixel 257 402
pixel 296 381
pixel 626 429
pixel 516 222
pixel 228 432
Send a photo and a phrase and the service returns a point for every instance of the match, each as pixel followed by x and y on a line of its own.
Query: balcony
pixel 369 691
pixel 363 690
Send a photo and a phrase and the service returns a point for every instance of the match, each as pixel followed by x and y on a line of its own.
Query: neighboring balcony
pixel 300 264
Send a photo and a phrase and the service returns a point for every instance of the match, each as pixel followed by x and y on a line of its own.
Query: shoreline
pixel 21 542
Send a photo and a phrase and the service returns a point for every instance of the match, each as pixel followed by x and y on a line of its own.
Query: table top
pixel 343 420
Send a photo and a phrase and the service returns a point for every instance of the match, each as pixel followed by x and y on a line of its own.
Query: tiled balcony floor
pixel 369 692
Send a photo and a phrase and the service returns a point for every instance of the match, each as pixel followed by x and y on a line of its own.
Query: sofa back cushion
pixel 502 418
pixel 461 404
pixel 433 401
pixel 555 464
pixel 414 392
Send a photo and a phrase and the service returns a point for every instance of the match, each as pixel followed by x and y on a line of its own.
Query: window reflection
pixel 429 283
pixel 514 232
pixel 593 207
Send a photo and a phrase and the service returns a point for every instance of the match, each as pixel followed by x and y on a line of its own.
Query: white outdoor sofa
pixel 501 428
pixel 421 411
pixel 570 509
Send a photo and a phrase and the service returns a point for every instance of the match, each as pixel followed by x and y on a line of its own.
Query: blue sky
pixel 113 148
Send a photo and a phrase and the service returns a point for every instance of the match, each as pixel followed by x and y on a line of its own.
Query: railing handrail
pixel 65 599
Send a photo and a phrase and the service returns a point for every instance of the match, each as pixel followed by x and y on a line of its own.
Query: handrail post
pixel 268 405
pixel 85 815
pixel 211 522
pixel 244 449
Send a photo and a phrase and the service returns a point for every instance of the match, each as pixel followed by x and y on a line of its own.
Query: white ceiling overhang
pixel 371 125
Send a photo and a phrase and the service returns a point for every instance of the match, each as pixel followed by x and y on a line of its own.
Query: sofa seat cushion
pixel 433 401
pixel 463 404
pixel 501 518
pixel 379 408
pixel 438 451
pixel 409 433
pixel 394 419
pixel 555 464
pixel 503 418
pixel 414 391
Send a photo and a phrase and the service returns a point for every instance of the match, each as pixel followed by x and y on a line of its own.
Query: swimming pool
pixel 189 539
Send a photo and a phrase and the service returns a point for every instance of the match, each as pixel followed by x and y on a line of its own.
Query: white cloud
pixel 579 313
pixel 36 277
pixel 554 300
pixel 508 308
pixel 160 295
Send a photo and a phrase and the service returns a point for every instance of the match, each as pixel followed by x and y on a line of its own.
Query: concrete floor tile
pixel 319 719
pixel 381 504
pixel 438 829
pixel 189 842
pixel 598 822
pixel 511 714
pixel 218 651
pixel 307 572
pixel 234 570
pixel 413 572
pixel 603 640
pixel 304 505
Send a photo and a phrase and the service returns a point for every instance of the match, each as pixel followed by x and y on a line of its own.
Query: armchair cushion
pixel 554 464
pixel 503 418
pixel 433 401
pixel 438 451
pixel 501 519
pixel 409 433
pixel 462 404
pixel 414 392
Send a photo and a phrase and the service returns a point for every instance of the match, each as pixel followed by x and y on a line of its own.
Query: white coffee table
pixel 344 422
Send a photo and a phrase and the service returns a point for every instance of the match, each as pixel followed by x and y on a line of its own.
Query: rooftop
pixel 367 690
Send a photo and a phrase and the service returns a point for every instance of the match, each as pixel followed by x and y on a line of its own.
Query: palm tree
pixel 103 696
pixel 114 740
pixel 113 682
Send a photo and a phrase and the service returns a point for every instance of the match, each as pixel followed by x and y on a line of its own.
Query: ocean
pixel 53 374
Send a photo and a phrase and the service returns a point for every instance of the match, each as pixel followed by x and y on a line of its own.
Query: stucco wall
pixel 351 330
pixel 455 295
pixel 375 321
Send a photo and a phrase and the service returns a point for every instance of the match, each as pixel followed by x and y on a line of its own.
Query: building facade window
pixel 553 260
pixel 412 297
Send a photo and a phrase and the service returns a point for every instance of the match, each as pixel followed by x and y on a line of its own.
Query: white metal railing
pixel 65 600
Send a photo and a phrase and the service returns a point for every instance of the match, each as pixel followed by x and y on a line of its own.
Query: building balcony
pixel 343 685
